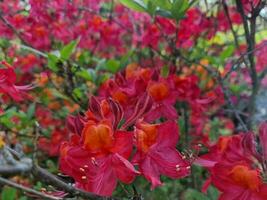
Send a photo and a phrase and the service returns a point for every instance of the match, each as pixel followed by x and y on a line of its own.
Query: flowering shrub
pixel 133 99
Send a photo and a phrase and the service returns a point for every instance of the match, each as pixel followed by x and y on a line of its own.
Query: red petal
pixel 125 171
pixel 169 162
pixel 101 179
pixel 123 143
pixel 204 162
pixel 263 139
pixel 150 170
pixel 168 134
pixel 206 185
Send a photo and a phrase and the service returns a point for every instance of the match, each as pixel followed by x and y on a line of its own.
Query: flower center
pixel 97 137
pixel 158 91
pixel 120 96
pixel 146 136
pixel 245 177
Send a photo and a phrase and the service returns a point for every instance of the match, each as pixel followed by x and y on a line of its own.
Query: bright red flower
pixel 263 140
pixel 236 166
pixel 100 155
pixel 238 181
pixel 157 154
pixel 51 145
pixel 7 83
pixel 164 98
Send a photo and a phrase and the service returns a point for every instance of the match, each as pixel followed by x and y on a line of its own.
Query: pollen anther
pixel 82 169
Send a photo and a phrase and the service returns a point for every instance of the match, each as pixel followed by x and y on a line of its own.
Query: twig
pixel 10 26
pixel 225 91
pixel 53 180
pixel 250 32
pixel 4 181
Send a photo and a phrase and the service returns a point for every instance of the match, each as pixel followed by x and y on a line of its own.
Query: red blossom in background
pixel 237 167
pixel 51 145
pixel 157 154
pixel 7 83
pixel 99 155
pixel 157 87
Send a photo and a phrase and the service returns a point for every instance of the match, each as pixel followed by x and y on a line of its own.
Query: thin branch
pixel 56 182
pixel 4 181
pixel 226 11
pixel 10 26
pixel 225 91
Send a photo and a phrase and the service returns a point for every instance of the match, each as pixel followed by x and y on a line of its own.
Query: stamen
pixel 84 177
pixel 82 169
pixel 94 161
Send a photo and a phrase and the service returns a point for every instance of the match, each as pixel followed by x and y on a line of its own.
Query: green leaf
pixel 213 193
pixel 78 93
pixel 88 75
pixel 192 194
pixel 52 62
pixel 227 52
pixel 112 65
pixel 179 8
pixel 67 50
pixel 163 4
pixel 164 13
pixel 31 111
pixel 151 7
pixel 8 193
pixel 23 198
pixel 137 5
pixel 165 71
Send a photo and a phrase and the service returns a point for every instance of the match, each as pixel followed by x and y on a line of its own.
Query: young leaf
pixel 87 74
pixel 227 52
pixel 8 193
pixel 52 62
pixel 163 4
pixel 192 194
pixel 67 50
pixel 113 65
pixel 31 111
pixel 179 8
pixel 137 5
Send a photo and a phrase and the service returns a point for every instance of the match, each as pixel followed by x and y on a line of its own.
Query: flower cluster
pixel 237 165
pixel 7 83
pixel 118 133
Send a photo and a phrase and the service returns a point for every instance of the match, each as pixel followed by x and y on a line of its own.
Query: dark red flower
pixel 51 145
pixel 238 181
pixel 100 154
pixel 157 154
pixel 7 83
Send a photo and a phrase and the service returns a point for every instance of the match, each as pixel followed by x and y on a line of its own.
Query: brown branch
pixel 241 58
pixel 226 11
pixel 225 90
pixel 10 26
pixel 22 167
pixel 4 181
pixel 249 25
pixel 56 182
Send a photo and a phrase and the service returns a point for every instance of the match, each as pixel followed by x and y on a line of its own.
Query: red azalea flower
pixel 236 167
pixel 100 154
pixel 7 83
pixel 263 140
pixel 51 145
pixel 238 181
pixel 157 154
pixel 163 96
